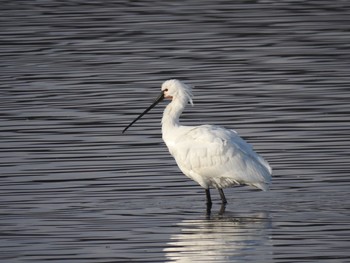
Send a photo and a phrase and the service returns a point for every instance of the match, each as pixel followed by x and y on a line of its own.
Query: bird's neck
pixel 172 114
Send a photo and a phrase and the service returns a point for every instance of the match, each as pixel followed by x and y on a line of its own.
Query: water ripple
pixel 74 189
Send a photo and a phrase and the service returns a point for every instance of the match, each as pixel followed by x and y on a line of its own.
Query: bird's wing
pixel 219 153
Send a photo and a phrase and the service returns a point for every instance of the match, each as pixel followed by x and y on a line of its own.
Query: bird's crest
pixel 179 88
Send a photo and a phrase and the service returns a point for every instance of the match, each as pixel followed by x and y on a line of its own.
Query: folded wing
pixel 217 157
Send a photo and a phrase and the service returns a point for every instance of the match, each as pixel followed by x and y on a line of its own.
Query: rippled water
pixel 75 73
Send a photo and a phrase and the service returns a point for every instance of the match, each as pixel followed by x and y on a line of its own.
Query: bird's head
pixel 173 89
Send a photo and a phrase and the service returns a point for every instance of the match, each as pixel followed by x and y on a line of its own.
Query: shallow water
pixel 74 74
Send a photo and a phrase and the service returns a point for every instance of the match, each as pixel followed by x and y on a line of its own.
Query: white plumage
pixel 212 156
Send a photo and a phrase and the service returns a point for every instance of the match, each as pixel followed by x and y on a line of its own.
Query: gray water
pixel 75 73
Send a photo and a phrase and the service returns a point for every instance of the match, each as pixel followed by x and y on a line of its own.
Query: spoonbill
pixel 212 156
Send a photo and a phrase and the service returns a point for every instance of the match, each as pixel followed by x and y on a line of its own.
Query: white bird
pixel 212 156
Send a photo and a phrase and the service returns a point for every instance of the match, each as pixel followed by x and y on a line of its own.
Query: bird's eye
pixel 166 90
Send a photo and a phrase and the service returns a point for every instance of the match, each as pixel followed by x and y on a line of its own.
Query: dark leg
pixel 207 193
pixel 222 209
pixel 222 195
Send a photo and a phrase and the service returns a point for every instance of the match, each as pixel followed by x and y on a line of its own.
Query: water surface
pixel 74 74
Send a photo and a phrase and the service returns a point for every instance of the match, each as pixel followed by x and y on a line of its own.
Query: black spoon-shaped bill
pixel 157 100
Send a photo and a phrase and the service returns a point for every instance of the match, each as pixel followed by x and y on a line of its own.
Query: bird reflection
pixel 222 237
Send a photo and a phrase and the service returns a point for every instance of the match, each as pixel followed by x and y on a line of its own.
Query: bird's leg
pixel 209 203
pixel 207 193
pixel 222 209
pixel 222 195
pixel 208 211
